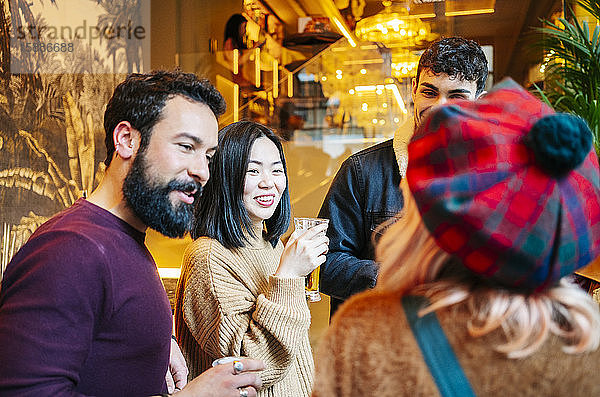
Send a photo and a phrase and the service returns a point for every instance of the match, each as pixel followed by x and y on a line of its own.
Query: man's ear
pixel 126 140
pixel 414 88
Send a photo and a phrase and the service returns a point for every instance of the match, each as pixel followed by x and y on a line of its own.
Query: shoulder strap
pixel 437 352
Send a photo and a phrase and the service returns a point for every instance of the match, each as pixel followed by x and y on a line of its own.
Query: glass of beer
pixel 312 280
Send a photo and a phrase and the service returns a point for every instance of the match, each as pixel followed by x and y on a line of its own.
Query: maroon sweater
pixel 83 311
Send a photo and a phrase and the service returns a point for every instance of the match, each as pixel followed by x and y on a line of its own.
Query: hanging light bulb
pixel 404 64
pixel 394 25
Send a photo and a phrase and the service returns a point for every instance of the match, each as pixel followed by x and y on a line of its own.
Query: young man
pixel 82 308
pixel 365 192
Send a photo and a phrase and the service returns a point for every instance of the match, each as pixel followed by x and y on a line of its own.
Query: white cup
pixel 225 360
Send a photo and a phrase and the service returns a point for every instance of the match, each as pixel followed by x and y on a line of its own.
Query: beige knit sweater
pixel 369 350
pixel 229 304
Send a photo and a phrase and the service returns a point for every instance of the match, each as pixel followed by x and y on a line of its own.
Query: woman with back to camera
pixel 241 293
pixel 473 297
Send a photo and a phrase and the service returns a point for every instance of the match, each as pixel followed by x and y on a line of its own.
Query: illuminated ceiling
pixel 505 28
pixel 394 25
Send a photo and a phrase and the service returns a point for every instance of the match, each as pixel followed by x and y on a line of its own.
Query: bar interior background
pixel 330 76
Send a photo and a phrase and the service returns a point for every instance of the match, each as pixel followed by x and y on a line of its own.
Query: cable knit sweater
pixel 229 304
pixel 369 350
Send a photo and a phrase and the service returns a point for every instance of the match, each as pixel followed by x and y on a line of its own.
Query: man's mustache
pixel 185 186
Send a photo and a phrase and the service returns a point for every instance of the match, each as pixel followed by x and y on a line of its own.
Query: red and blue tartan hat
pixel 509 187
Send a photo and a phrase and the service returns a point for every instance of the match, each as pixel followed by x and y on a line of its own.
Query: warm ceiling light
pixel 257 67
pixel 236 61
pixel 469 7
pixel 396 92
pixel 391 87
pixel 470 12
pixel 404 64
pixel 394 25
pixel 431 15
pixel 363 71
pixel 275 78
pixel 342 27
pixel 329 8
pixel 290 82
pixel 364 61
pixel 360 88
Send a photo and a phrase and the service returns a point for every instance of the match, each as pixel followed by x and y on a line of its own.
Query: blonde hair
pixel 411 261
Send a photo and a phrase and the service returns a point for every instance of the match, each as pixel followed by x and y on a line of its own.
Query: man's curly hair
pixel 458 58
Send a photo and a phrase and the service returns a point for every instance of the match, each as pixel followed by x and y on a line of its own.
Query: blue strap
pixel 437 352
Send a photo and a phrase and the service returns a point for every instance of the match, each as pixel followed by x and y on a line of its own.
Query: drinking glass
pixel 312 280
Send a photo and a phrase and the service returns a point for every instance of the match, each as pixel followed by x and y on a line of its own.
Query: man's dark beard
pixel 150 201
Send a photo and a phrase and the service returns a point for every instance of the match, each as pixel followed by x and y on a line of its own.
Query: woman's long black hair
pixel 220 212
pixel 232 31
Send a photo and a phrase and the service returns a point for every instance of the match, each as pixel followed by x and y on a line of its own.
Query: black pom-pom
pixel 560 142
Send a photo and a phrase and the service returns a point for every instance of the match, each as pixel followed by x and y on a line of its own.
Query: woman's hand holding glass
pixel 304 251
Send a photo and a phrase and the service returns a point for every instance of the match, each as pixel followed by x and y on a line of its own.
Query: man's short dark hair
pixel 220 212
pixel 141 98
pixel 458 58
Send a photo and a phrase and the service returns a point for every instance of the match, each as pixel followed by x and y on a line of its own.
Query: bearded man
pixel 82 308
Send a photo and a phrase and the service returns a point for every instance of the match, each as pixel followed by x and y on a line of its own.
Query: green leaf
pixel 572 76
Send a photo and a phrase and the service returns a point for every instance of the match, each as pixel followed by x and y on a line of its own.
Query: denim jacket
pixel 364 193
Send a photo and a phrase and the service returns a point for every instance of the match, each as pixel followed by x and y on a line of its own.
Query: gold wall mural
pixel 60 61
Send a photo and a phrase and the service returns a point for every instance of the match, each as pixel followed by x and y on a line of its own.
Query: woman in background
pixel 473 296
pixel 241 293
pixel 235 38
pixel 235 33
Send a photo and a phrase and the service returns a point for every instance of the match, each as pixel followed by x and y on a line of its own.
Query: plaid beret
pixel 508 187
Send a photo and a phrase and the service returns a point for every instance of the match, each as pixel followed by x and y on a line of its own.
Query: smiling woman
pixel 265 181
pixel 241 292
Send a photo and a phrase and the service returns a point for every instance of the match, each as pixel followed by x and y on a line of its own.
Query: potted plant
pixel 572 72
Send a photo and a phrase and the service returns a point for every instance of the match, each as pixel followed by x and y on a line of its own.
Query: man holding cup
pixel 82 308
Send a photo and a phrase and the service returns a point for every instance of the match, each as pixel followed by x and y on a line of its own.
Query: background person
pixel 236 38
pixel 82 308
pixel 235 33
pixel 364 193
pixel 241 293
pixel 506 205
